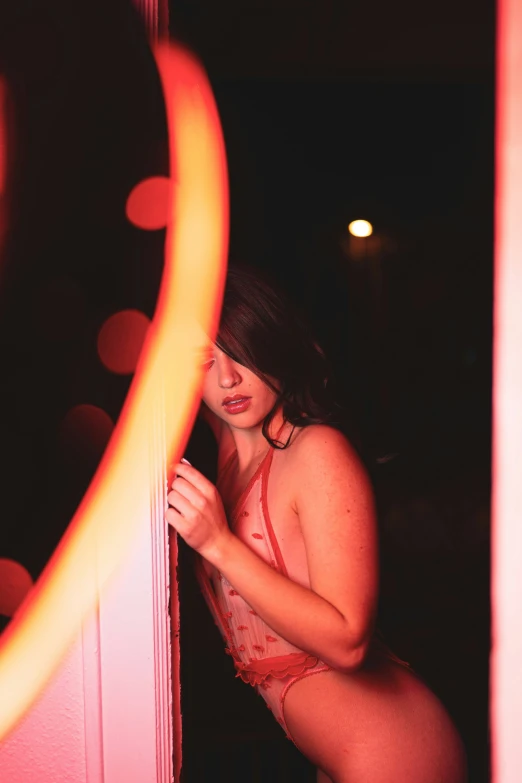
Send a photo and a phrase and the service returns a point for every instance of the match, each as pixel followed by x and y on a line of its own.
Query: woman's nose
pixel 228 374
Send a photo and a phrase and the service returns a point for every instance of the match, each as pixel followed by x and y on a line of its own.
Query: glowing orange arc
pixel 112 510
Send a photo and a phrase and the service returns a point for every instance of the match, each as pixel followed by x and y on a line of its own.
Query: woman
pixel 289 556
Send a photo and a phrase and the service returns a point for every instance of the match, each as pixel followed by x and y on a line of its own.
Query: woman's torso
pixel 283 518
pixel 249 639
pixel 380 722
pixel 265 495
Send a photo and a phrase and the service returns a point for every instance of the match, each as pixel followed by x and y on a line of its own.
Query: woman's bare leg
pixel 322 777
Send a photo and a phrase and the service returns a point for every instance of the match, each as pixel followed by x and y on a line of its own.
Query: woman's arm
pixel 334 618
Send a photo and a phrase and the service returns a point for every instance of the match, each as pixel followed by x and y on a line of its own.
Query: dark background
pixel 334 111
pixel 331 111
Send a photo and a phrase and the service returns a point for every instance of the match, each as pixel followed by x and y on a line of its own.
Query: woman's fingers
pixel 181 504
pixel 194 477
pixel 173 517
pixel 180 514
pixel 196 511
pixel 188 491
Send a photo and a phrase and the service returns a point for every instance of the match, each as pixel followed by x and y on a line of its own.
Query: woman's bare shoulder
pixel 319 436
pixel 322 447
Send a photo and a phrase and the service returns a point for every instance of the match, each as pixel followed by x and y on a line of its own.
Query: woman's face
pixel 233 392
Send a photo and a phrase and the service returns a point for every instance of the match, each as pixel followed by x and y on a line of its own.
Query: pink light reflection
pixel 506 685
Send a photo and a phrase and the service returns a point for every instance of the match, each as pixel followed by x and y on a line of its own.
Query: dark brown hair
pixel 261 330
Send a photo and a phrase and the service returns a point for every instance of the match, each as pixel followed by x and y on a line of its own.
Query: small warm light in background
pixel 121 339
pixel 15 583
pixel 360 228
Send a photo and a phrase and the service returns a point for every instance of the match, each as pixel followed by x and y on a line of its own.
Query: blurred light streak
pixel 360 228
pixel 108 518
pixel 506 584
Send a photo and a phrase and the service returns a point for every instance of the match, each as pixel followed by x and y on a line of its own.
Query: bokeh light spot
pixel 15 583
pixel 360 228
pixel 148 205
pixel 84 433
pixel 121 339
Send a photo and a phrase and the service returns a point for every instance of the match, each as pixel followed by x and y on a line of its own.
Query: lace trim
pixel 280 666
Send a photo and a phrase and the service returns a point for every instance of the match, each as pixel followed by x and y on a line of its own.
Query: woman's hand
pixel 197 512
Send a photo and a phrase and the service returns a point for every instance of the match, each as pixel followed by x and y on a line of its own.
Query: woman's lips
pixel 237 406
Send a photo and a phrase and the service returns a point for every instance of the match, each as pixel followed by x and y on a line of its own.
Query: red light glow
pixel 121 339
pixel 111 514
pixel 150 203
pixel 15 583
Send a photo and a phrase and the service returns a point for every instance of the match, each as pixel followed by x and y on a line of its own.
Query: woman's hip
pixel 380 723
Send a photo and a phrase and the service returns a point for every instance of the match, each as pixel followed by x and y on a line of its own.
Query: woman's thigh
pixel 379 726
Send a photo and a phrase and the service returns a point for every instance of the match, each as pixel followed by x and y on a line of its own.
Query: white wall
pixel 48 746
